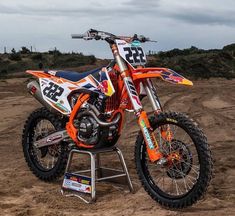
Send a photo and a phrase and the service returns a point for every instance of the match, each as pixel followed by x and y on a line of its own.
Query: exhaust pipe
pixel 35 90
pixel 101 123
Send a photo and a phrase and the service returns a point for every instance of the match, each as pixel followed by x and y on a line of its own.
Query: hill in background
pixel 22 60
pixel 197 63
pixel 192 62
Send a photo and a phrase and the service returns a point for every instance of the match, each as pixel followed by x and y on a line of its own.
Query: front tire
pixel 165 196
pixel 47 163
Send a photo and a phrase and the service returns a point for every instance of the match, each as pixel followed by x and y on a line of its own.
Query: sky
pixel 46 24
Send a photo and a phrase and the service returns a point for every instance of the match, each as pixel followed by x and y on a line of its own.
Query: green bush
pixel 15 56
pixel 37 56
pixel 24 50
pixel 3 72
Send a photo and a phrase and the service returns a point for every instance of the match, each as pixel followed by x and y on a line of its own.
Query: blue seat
pixel 75 76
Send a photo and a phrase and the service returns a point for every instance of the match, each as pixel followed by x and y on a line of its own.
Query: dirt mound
pixel 211 103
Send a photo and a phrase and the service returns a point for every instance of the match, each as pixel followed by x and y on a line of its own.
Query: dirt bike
pixel 86 110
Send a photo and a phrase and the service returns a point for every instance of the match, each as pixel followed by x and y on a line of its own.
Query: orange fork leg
pixel 149 138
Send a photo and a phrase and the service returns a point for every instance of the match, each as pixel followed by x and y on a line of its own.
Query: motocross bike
pixel 86 110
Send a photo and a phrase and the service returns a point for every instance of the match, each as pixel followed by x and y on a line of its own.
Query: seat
pixel 73 75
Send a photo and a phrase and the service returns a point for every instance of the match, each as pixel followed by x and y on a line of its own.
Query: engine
pixel 88 130
pixel 91 132
pixel 92 120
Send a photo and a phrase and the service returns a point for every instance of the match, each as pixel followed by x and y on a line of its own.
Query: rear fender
pixel 38 74
pixel 165 74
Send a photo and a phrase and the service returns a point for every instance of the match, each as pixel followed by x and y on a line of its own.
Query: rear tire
pixel 204 157
pixel 29 150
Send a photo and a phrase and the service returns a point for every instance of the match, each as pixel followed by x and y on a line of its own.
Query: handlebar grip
pixel 78 36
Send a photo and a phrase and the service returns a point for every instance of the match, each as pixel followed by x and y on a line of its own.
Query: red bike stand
pixel 81 186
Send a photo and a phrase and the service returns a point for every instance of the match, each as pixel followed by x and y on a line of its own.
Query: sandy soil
pixel 211 103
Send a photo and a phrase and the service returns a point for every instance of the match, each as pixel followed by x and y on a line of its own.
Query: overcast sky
pixel 46 24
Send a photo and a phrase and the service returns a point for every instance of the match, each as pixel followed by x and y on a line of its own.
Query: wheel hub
pixel 179 160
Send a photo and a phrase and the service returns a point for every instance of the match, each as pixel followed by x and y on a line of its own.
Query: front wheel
pixel 185 177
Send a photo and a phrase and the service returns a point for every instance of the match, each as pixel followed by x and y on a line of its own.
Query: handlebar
pixel 78 36
pixel 101 35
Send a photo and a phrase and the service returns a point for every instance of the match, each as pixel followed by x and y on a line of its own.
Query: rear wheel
pixel 185 177
pixel 47 163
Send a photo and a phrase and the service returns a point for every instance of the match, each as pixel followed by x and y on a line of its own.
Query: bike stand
pixel 76 184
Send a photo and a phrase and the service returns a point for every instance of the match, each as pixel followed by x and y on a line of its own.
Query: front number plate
pixel 132 53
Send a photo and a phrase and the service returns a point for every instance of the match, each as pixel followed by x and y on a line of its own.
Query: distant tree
pixel 92 59
pixel 24 50
pixel 54 52
pixel 14 56
pixel 13 51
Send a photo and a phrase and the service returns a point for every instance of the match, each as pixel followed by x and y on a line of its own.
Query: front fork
pixel 143 121
pixel 152 146
pixel 151 92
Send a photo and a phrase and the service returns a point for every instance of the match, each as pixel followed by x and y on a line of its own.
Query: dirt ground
pixel 209 102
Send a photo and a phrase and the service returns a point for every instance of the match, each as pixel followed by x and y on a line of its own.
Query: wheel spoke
pixel 174 130
pixel 193 169
pixel 42 129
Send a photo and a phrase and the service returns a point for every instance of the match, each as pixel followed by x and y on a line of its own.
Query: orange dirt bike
pixel 86 110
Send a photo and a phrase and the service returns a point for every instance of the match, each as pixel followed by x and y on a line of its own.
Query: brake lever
pixel 144 39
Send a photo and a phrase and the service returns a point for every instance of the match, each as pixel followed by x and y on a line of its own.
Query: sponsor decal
pixel 33 90
pixel 135 43
pixel 105 85
pixel 52 72
pixel 77 183
pixel 51 139
pixel 171 120
pixel 44 82
pixel 122 43
pixel 53 91
pixel 136 98
pixel 62 107
pixel 175 78
pixel 83 181
pixel 134 95
pixel 147 135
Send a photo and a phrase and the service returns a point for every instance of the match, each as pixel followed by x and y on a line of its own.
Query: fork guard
pixel 165 74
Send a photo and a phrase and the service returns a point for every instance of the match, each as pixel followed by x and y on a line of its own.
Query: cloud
pixel 77 10
pixel 143 4
pixel 204 17
pixel 198 13
pixel 174 23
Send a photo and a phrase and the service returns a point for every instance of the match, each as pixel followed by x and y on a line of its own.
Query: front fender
pixel 165 74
